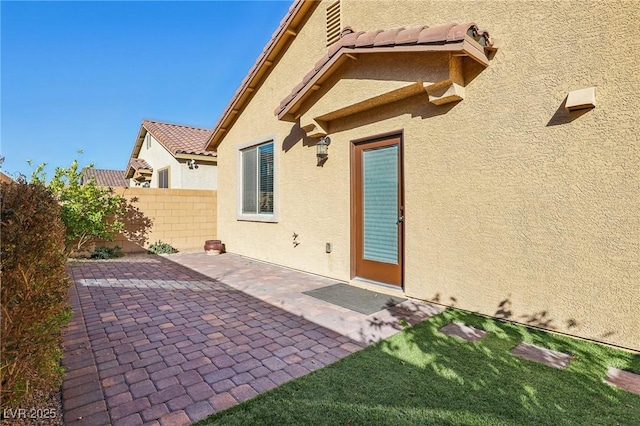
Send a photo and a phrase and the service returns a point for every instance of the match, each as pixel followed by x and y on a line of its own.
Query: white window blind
pixel 380 199
pixel 163 178
pixel 257 179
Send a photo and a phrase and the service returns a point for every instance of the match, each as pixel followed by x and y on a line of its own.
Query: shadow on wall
pixel 415 106
pixel 562 116
pixel 540 319
pixel 296 135
pixel 135 233
pixel 136 225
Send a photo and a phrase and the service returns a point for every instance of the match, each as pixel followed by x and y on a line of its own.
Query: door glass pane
pixel 266 178
pixel 249 172
pixel 380 204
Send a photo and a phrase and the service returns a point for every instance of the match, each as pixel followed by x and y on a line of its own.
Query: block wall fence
pixel 184 218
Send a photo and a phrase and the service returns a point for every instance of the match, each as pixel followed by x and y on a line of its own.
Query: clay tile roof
pixel 408 35
pixel 113 178
pixel 138 163
pixel 180 139
pixel 134 165
pixel 348 38
pixel 366 39
pixel 388 39
pixel 437 34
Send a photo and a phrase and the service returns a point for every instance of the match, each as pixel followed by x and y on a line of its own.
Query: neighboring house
pixel 169 155
pixel 104 177
pixel 458 172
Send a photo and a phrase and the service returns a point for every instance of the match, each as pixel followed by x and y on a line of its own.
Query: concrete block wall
pixel 184 218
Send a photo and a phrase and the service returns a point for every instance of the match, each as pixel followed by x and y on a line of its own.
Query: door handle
pixel 400 219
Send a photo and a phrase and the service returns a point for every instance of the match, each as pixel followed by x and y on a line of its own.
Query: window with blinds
pixel 163 178
pixel 333 22
pixel 257 179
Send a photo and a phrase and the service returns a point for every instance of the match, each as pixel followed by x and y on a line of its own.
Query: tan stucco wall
pixel 184 218
pixel 507 199
pixel 299 206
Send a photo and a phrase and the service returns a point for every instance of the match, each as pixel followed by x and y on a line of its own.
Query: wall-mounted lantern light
pixel 322 148
pixel 192 164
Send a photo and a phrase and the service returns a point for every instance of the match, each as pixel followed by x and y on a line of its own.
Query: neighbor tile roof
pixel 104 177
pixel 397 37
pixel 180 139
pixel 138 163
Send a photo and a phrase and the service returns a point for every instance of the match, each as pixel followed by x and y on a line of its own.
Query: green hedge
pixel 34 292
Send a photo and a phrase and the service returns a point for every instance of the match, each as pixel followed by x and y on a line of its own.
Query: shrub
pixel 34 292
pixel 161 248
pixel 103 252
pixel 88 211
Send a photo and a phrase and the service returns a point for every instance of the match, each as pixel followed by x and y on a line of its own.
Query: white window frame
pixel 257 217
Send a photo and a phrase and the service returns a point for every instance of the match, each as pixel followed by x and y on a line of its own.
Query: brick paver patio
pixel 155 342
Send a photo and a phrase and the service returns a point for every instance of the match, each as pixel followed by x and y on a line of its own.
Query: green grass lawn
pixel 421 376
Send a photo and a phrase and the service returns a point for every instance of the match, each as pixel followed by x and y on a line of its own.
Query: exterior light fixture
pixel 322 148
pixel 192 164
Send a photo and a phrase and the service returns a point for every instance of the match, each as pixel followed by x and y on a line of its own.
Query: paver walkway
pixel 155 342
pixel 463 331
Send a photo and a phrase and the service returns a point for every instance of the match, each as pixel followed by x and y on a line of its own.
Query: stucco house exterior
pixel 167 155
pixel 482 154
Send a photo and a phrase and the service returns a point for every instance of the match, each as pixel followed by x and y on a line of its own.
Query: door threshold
pixel 377 286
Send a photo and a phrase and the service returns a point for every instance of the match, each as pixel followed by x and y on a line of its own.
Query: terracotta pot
pixel 213 246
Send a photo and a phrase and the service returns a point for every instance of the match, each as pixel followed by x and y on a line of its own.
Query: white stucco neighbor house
pixel 167 155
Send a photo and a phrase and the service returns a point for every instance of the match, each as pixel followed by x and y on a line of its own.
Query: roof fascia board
pixel 288 28
pixel 185 156
pixel 138 144
pixel 131 171
pixel 474 50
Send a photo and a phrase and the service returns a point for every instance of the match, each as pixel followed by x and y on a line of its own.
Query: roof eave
pixel 137 145
pixel 467 47
pixel 287 29
pixel 189 156
pixel 160 140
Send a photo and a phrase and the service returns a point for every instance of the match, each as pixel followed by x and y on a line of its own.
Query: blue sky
pixel 83 75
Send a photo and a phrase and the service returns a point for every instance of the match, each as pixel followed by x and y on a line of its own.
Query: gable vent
pixel 333 22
